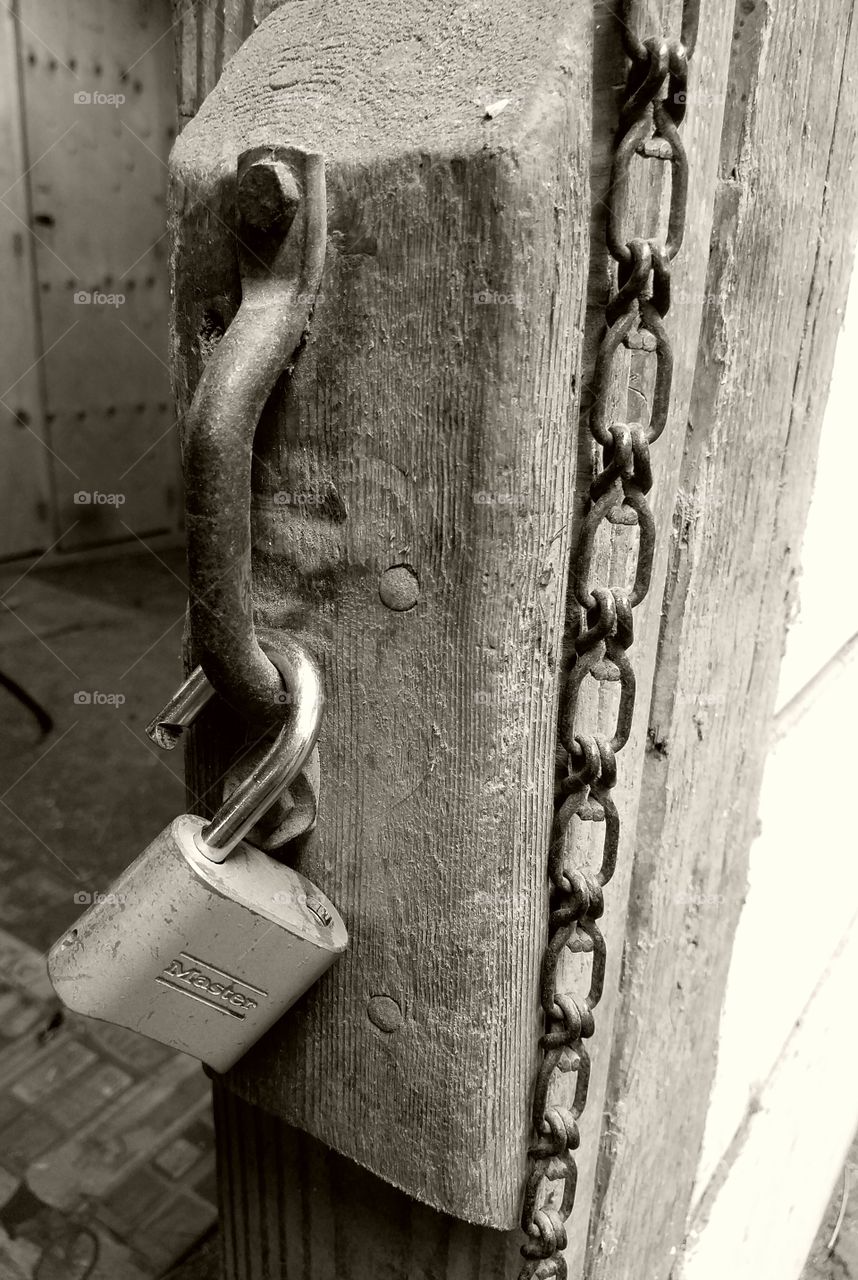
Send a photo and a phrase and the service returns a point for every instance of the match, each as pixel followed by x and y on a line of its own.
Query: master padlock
pixel 205 941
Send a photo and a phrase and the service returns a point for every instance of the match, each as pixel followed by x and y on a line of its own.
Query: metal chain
pixel 600 627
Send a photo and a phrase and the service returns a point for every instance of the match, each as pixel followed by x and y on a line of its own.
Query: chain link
pixel 601 624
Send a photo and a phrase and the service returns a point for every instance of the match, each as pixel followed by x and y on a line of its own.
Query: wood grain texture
pixel 781 253
pixel 290 1207
pixel 646 213
pixel 430 422
pixel 207 34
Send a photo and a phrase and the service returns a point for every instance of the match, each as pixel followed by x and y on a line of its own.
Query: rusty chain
pixel 600 630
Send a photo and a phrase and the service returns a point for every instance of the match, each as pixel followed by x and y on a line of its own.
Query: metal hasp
pixel 281 232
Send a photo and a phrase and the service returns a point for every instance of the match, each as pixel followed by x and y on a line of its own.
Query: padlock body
pixel 202 956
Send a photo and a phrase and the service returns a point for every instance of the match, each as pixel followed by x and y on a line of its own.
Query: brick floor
pixel 106 1142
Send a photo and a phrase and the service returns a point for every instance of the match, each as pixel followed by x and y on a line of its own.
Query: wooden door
pixel 90 439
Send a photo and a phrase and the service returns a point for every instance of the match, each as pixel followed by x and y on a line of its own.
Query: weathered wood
pixel 701 133
pixel 782 248
pixel 703 143
pixel 207 35
pixel 816 632
pixel 290 1207
pixel 25 496
pixel 636 1202
pixel 427 423
pixel 97 181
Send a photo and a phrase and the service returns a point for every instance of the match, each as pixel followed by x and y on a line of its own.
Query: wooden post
pixel 411 514
pixel 733 483
pixel 782 250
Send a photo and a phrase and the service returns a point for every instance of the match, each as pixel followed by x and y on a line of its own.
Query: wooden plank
pixel 24 475
pixel 770 978
pixel 429 412
pixel 761 1213
pixel 98 99
pixel 777 281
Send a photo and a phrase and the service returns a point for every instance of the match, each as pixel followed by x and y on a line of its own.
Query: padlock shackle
pixel 166 729
pixel 290 751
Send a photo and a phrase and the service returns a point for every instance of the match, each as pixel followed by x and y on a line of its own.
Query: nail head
pixel 399 587
pixel 384 1013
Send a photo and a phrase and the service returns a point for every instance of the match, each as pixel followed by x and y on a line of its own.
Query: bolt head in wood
pixel 399 587
pixel 268 196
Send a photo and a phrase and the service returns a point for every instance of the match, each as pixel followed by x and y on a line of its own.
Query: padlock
pixel 205 941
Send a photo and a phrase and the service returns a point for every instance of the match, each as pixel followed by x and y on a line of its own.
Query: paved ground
pixel 106 1146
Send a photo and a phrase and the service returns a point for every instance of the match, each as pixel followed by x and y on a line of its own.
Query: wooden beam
pixel 426 433
pixel 783 238
pixel 291 1207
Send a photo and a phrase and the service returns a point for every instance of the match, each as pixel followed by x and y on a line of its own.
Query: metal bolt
pixel 399 588
pixel 656 149
pixel 268 196
pixel 384 1013
pixel 320 911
